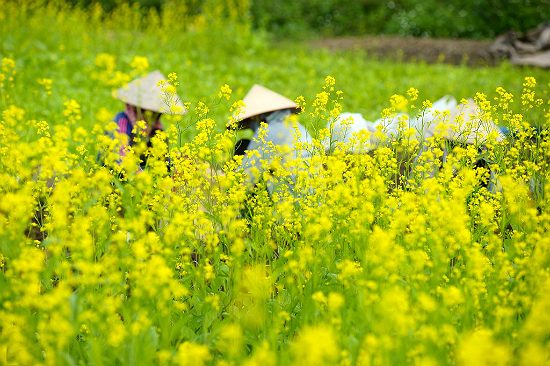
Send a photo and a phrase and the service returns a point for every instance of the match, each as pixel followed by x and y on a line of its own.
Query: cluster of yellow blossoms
pixel 386 257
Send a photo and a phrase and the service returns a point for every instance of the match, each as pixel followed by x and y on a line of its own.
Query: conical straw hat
pixel 465 125
pixel 146 93
pixel 262 100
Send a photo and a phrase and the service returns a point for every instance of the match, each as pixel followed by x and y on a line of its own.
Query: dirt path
pixel 454 51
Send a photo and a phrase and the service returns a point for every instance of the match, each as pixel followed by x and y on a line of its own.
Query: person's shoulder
pixel 119 116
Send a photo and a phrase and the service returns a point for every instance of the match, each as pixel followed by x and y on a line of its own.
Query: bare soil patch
pixel 453 51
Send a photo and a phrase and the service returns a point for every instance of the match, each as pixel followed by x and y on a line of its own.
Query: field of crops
pixel 338 258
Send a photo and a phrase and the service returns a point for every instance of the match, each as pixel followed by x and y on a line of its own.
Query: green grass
pixel 62 48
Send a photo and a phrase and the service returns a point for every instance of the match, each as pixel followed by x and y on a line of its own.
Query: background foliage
pixel 453 18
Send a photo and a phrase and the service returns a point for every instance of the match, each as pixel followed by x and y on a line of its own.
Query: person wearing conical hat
pixel 265 105
pixel 145 100
pixel 262 105
pixel 458 124
pixel 462 125
pixel 465 124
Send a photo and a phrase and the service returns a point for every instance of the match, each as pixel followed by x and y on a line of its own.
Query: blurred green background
pixel 452 18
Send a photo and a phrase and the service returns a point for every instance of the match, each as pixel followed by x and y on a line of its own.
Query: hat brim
pixel 146 93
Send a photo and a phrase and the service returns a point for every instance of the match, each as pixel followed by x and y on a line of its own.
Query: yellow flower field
pixel 352 255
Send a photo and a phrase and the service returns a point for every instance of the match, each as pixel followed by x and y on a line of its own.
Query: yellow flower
pixel 529 82
pixel 315 345
pixel 399 102
pixel 72 111
pixel 231 340
pixel 261 356
pixel 192 354
pixel 412 93
pixel 452 296
pixel 480 349
pixel 427 104
pixel 225 92
pixel 335 301
pixel 301 101
pixel 105 61
pixel 46 84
